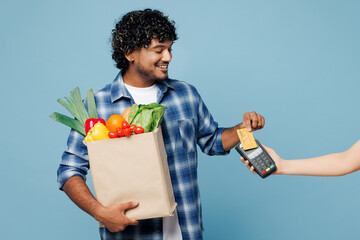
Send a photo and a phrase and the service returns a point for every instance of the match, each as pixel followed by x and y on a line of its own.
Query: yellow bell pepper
pixel 97 132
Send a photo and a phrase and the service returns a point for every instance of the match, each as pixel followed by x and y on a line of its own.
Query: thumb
pixel 131 204
pixel 266 148
pixel 247 122
pixel 269 150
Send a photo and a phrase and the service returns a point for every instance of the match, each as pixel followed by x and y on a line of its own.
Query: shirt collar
pixel 118 89
pixel 164 85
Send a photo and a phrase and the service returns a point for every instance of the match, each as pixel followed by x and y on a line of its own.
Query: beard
pixel 151 74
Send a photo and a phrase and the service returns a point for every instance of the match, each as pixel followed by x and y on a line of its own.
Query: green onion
pixel 76 97
pixel 91 104
pixel 69 106
pixel 76 107
pixel 70 122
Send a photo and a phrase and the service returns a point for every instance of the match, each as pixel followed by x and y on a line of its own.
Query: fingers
pixel 129 205
pixel 133 222
pixel 253 121
pixel 247 121
pixel 258 121
pixel 247 164
pixel 262 121
pixel 114 217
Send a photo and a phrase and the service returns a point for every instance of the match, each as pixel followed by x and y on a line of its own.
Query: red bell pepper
pixel 90 122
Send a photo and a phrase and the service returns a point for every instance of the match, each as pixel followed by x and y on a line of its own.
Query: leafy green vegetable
pixel 75 94
pixel 69 106
pixel 148 116
pixel 76 107
pixel 73 123
pixel 91 104
pixel 133 111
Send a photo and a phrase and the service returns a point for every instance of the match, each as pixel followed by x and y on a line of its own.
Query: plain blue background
pixel 295 62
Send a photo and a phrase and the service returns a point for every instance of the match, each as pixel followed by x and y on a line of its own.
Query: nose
pixel 166 56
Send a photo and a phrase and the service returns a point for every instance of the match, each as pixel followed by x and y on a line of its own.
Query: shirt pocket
pixel 187 134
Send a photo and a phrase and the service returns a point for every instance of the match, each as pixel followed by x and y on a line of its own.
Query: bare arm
pixel 113 217
pixel 230 138
pixel 336 164
pixel 251 120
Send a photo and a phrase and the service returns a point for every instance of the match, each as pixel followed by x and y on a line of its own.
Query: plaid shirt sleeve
pixel 75 161
pixel 208 134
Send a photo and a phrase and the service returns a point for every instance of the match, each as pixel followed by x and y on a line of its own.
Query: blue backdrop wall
pixel 295 62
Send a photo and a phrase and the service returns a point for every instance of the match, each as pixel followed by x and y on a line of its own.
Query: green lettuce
pixel 147 116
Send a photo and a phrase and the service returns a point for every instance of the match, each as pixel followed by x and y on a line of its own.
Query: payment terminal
pixel 258 158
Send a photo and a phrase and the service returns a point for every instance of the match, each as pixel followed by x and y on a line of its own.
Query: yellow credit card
pixel 246 138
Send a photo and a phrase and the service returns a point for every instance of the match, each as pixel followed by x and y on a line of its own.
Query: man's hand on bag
pixel 252 121
pixel 113 217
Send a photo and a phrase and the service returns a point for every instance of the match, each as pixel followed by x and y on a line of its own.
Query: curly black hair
pixel 136 29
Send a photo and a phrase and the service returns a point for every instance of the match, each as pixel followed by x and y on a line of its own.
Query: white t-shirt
pixel 143 95
pixel 171 227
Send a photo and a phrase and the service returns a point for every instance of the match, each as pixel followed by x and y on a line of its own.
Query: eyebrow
pixel 160 46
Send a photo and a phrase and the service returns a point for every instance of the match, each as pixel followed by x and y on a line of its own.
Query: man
pixel 142 42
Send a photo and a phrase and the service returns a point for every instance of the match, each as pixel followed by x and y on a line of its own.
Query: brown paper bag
pixel 133 168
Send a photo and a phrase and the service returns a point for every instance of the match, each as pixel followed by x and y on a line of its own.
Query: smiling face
pixel 150 64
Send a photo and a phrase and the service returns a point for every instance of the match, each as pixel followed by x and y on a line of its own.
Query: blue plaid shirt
pixel 186 122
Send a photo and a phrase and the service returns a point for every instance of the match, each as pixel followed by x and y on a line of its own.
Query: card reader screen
pixel 250 150
pixel 252 153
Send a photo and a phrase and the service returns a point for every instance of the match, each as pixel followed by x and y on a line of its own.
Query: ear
pixel 130 56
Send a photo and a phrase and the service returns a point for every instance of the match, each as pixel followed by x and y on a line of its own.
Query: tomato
pixel 132 127
pixel 112 135
pixel 139 130
pixel 124 124
pixel 127 132
pixel 120 132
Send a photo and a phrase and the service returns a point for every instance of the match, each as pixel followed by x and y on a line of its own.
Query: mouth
pixel 163 67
